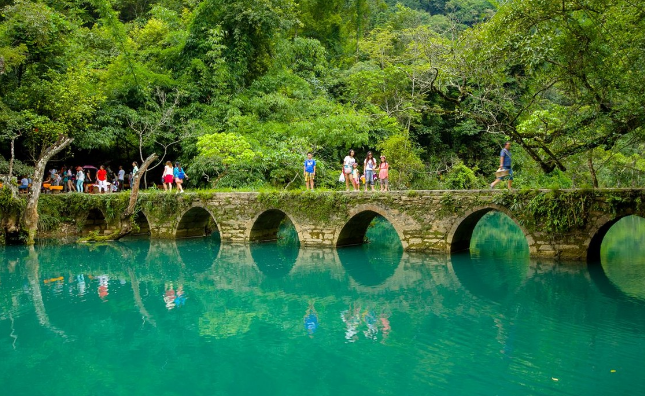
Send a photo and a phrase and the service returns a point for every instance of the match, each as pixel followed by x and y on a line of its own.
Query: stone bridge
pixel 564 224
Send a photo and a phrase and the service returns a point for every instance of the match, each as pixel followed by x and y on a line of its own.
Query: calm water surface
pixel 200 317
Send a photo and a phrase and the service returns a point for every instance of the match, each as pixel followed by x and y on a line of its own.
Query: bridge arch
pixel 142 224
pixel 265 226
pixel 354 230
pixel 461 232
pixel 95 221
pixel 598 233
pixel 197 221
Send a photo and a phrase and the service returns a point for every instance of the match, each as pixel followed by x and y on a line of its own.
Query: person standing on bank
pixel 80 179
pixel 348 168
pixel 101 177
pixel 167 176
pixel 121 178
pixel 368 166
pixel 310 171
pixel 504 165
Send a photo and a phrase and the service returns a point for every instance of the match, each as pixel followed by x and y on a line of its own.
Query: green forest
pixel 239 91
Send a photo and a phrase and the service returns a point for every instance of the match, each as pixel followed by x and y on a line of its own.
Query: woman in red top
pixel 101 176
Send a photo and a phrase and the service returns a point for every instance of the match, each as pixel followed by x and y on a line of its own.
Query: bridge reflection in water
pixel 212 299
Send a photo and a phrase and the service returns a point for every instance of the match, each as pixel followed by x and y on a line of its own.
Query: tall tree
pixel 49 85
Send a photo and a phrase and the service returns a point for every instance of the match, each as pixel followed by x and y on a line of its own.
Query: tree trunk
pixel 594 178
pixel 126 217
pixel 125 226
pixel 33 266
pixel 31 209
pixel 13 141
pixel 8 182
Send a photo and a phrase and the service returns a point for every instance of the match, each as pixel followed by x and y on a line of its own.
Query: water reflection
pixel 198 254
pixel 498 262
pixel 277 258
pixel 373 263
pixel 489 316
pixel 274 260
pixel 623 256
pixel 311 319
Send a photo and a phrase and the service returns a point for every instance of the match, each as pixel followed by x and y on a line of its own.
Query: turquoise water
pixel 200 317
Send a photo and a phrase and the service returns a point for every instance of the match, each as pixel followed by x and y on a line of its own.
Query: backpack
pixel 181 175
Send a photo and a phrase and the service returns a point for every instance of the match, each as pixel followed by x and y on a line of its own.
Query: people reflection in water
pixel 505 335
pixel 385 325
pixel 80 279
pixel 103 286
pixel 180 297
pixel 372 325
pixel 311 319
pixel 352 319
pixel 169 296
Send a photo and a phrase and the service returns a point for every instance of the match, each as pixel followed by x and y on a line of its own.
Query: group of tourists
pixel 174 174
pixel 373 172
pixel 350 175
pixel 79 179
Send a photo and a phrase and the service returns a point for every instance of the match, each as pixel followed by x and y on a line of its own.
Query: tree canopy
pixel 239 91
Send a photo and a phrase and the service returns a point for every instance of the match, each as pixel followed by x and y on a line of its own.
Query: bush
pixel 461 177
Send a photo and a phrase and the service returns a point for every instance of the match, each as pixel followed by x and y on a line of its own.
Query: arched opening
pixel 274 225
pixel 619 248
pixel 489 232
pixel 377 257
pixel 356 229
pixel 141 225
pixel 197 222
pixel 274 259
pixel 94 222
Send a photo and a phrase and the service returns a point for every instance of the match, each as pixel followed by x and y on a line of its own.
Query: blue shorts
pixel 510 174
pixel 369 177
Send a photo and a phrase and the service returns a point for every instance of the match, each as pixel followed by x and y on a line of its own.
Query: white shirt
pixel 121 174
pixel 349 161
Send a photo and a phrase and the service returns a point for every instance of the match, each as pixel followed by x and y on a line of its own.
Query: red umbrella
pixel 89 167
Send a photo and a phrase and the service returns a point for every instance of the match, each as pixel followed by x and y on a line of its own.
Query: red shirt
pixel 101 174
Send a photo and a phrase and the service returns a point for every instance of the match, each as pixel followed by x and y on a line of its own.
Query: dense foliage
pixel 241 90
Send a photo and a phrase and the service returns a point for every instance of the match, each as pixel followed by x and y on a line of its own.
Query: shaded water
pixel 200 317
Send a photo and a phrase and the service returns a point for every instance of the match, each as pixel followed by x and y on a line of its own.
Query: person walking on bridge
pixel 504 167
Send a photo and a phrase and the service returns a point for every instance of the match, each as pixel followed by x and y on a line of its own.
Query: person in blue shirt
pixel 310 171
pixel 504 165
pixel 179 175
pixel 24 184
